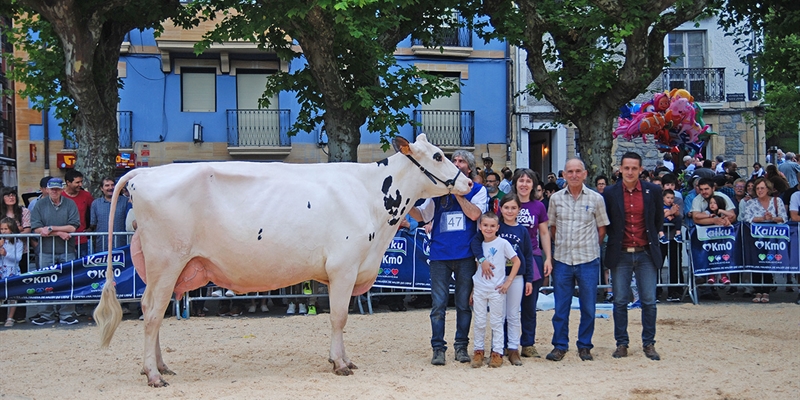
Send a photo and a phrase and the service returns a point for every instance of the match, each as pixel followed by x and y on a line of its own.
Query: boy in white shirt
pixel 490 290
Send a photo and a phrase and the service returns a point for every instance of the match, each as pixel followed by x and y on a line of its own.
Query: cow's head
pixel 444 177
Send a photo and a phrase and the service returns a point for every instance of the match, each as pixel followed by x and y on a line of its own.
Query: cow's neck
pixel 401 184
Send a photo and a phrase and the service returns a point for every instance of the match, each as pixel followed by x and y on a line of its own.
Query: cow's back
pixel 289 217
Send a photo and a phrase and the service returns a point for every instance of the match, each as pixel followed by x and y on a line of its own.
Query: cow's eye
pixel 438 157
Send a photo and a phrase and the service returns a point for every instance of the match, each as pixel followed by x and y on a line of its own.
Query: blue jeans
pixel 646 281
pixel 564 276
pixel 528 317
pixel 441 273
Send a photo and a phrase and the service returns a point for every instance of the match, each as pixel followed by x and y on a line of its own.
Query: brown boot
pixel 513 357
pixel 530 351
pixel 496 361
pixel 477 359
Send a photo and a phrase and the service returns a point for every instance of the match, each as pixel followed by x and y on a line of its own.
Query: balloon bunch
pixel 673 118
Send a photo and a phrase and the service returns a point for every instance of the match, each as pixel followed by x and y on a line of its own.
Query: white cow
pixel 255 227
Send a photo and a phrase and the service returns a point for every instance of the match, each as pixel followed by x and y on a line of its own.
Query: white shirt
pixel 496 252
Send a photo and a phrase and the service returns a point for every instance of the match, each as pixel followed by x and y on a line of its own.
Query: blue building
pixel 177 107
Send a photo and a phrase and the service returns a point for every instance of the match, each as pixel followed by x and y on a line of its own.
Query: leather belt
pixel 634 249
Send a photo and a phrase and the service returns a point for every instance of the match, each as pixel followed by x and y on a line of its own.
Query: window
pixel 688 49
pixel 198 90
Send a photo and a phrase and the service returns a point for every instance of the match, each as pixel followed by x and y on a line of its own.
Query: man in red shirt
pixel 83 199
pixel 636 211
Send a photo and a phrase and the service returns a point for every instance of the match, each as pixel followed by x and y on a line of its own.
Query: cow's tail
pixel 108 313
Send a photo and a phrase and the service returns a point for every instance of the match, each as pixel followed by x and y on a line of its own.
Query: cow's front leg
pixel 339 295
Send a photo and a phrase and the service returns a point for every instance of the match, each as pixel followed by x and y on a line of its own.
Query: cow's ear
pixel 401 145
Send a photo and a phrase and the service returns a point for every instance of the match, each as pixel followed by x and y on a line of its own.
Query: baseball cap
pixel 55 183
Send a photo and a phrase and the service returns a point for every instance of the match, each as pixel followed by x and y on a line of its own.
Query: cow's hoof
pixel 166 371
pixel 351 365
pixel 344 371
pixel 157 383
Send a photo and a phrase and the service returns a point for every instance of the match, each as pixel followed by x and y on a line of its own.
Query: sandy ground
pixel 730 350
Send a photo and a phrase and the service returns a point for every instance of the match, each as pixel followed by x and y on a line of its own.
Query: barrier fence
pixel 711 250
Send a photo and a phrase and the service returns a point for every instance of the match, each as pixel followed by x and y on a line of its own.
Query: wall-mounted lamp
pixel 197 133
pixel 545 150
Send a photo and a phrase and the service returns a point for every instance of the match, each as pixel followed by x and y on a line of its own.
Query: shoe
pixel 663 239
pixel 757 298
pixel 765 298
pixel 229 293
pixel 530 351
pixel 216 293
pixel 307 287
pixel 312 310
pixel 290 309
pixel 556 355
pixel 477 359
pixel 711 281
pixel 42 321
pixel 9 322
pixel 513 357
pixel 301 309
pixel 798 300
pixel 236 311
pixel 609 298
pixel 621 351
pixel 438 357
pixel 68 320
pixel 251 309
pixel 725 280
pixel 264 308
pixel 585 354
pixel 125 311
pixel 462 355
pixel 496 360
pixel 650 352
pixel 678 238
pixel 141 317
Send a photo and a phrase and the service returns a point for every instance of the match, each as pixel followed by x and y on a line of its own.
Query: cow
pixel 255 227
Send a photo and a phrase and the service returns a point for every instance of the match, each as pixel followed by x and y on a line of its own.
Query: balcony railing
pixel 446 128
pixel 448 37
pixel 258 128
pixel 125 129
pixel 705 84
pixel 124 132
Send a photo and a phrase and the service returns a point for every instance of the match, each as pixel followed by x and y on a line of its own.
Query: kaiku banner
pixel 766 248
pixel 770 248
pixel 715 249
pixel 405 263
pixel 80 279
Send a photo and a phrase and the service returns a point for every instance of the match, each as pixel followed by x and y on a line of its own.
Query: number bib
pixel 452 222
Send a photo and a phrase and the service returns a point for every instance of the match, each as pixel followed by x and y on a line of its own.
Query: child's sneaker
pixel 725 280
pixel 229 293
pixel 264 308
pixel 216 293
pixel 711 281
pixel 307 287
pixel 252 309
pixel 609 297
pixel 663 239
pixel 290 309
pixel 312 310
pixel 477 359
pixel 496 360
pixel 678 238
pixel 301 309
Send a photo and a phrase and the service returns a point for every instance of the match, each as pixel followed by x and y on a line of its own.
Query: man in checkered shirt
pixel 578 223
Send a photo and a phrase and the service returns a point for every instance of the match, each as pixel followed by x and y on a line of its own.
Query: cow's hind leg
pixel 154 303
pixel 339 295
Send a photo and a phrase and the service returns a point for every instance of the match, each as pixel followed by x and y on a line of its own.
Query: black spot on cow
pixel 387 183
pixel 346 237
pixel 259 233
pixel 407 201
pixel 371 236
pixel 394 221
pixel 309 205
pixel 384 162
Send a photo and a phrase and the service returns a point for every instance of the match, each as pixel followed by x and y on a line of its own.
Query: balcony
pixel 259 132
pixel 448 41
pixel 447 129
pixel 124 132
pixel 707 85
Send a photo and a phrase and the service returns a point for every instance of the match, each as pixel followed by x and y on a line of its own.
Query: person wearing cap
pixel 43 189
pixel 55 218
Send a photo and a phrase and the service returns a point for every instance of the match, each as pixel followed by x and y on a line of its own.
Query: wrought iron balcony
pixel 448 37
pixel 705 84
pixel 258 128
pixel 446 128
pixel 124 132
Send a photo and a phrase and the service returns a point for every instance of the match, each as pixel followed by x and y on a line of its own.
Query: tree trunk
pixel 595 143
pixel 344 136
